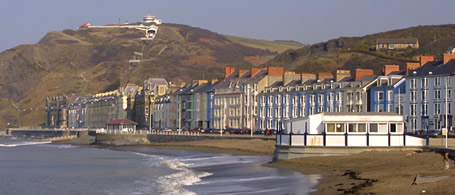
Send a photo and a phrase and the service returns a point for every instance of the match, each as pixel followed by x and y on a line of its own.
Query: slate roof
pixel 436 68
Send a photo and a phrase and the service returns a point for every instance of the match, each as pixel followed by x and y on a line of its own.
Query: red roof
pixel 121 122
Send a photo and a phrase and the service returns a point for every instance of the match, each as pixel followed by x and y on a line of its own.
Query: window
pixel 413 95
pixel 425 109
pixel 424 95
pixel 382 128
pixel 424 82
pixel 312 99
pixel 390 95
pixel 373 128
pixel 302 99
pixel 396 127
pixel 389 107
pixel 437 108
pixel 357 128
pixel 338 96
pixel 449 105
pixel 320 98
pixel 349 96
pixel 295 100
pixel 381 46
pixel 449 93
pixel 391 46
pixel 358 96
pixel 412 84
pixel 379 108
pixel 302 111
pixel 437 81
pixel 413 109
pixel 334 128
pixel 380 96
pixel 437 94
pixel 399 46
pixel 362 128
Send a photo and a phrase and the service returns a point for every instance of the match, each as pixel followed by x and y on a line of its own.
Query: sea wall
pixel 139 139
pixel 290 152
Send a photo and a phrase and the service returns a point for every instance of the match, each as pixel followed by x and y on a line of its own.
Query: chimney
pixel 242 72
pixel 256 70
pixel 275 71
pixel 387 69
pixel 290 76
pixel 228 71
pixel 341 74
pixel 308 76
pixel 411 66
pixel 425 59
pixel 325 75
pixel 447 57
pixel 359 73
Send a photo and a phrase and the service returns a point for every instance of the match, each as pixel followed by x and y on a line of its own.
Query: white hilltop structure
pixel 149 26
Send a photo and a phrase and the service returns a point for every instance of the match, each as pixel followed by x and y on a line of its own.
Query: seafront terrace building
pixel 307 96
pixel 56 112
pixel 104 107
pixel 236 96
pixel 145 99
pixel 429 95
pixel 76 113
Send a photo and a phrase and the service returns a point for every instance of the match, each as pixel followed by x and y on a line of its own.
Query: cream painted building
pixel 235 100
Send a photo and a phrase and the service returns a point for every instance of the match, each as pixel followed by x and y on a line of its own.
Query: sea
pixel 28 166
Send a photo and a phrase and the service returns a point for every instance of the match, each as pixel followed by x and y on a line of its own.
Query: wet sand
pixel 368 172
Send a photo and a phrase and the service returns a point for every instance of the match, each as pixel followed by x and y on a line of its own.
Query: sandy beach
pixel 364 173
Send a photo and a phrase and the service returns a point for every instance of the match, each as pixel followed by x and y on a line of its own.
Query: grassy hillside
pixel 276 46
pixel 90 60
pixel 355 52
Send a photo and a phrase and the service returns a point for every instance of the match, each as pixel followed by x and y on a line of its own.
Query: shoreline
pixel 374 172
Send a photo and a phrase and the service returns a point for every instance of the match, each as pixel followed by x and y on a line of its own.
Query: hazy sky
pixel 306 21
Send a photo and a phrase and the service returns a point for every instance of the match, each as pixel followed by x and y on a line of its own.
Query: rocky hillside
pixel 358 52
pixel 89 61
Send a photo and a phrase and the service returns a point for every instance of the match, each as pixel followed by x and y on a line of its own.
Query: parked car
pixel 211 130
pixel 434 133
pixel 259 131
pixel 197 129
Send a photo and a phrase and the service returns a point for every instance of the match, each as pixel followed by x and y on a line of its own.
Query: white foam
pixel 174 183
pixel 152 160
pixel 23 144
pixel 218 160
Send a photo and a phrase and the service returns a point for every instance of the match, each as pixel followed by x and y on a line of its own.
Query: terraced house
pixel 429 94
pixel 308 96
pixel 236 96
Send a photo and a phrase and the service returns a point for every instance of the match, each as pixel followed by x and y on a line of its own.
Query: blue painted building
pixel 388 94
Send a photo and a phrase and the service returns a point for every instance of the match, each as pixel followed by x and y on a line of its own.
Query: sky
pixel 305 21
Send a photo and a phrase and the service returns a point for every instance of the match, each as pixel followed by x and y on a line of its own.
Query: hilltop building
pixel 397 44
